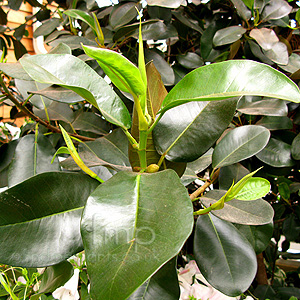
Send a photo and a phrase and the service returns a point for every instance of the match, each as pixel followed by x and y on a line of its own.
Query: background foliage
pixel 177 39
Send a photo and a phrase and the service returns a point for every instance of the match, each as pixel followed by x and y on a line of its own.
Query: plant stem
pixel 142 150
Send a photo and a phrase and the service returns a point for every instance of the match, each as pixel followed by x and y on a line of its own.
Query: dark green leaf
pixel 275 122
pixel 190 60
pixel 202 162
pixel 275 9
pixel 60 94
pixel 7 152
pixel 276 154
pixel 284 190
pixel 73 41
pixel 187 21
pixel 267 107
pixel 56 111
pixel 40 227
pixel 162 285
pixel 235 78
pixel 128 219
pixel 55 276
pixel 239 144
pixel 164 69
pixel 197 127
pixel 14 4
pixel 19 49
pixel 278 54
pixel 224 256
pixel 47 27
pixel 242 9
pixel 258 236
pixel 228 35
pixel 123 14
pixel 20 31
pixel 3 17
pixel 50 68
pixel 25 86
pixel 88 121
pixel 255 212
pixel 31 158
pixel 230 174
pixel 296 147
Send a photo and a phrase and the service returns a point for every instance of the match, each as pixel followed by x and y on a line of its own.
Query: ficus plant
pixel 122 198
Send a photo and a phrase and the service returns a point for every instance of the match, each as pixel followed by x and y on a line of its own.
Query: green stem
pixel 35 148
pixel 28 98
pixel 154 123
pixel 130 137
pixel 142 150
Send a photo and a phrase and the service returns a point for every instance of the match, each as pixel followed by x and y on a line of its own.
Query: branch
pixel 25 110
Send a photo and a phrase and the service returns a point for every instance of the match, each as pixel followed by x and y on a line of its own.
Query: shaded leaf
pixel 228 35
pixel 47 27
pixel 190 60
pixel 15 70
pixel 224 256
pixel 123 14
pixel 255 212
pixel 202 162
pixel 50 68
pixel 230 174
pixel 186 20
pixel 193 133
pixel 278 53
pixel 275 123
pixel 266 107
pixel 162 285
pixel 61 49
pixel 133 231
pixel 293 65
pixel 235 78
pixel 242 9
pixel 36 207
pixel 259 236
pixel 239 144
pixel 31 158
pixel 296 147
pixel 276 154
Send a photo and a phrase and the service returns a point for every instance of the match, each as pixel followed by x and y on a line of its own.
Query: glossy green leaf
pixel 254 188
pixel 7 152
pixel 256 212
pixel 24 86
pixel 239 144
pixel 224 256
pixel 258 236
pixel 267 107
pixel 186 20
pixel 228 35
pixel 55 276
pixel 50 68
pixel 278 53
pixel 128 218
pixel 242 9
pixel 293 65
pixel 60 94
pixel 188 131
pixel 296 147
pixel 162 285
pixel 202 162
pixel 123 14
pixel 190 60
pixel 15 70
pixel 275 9
pixel 230 174
pixel 235 78
pixel 47 27
pixel 88 121
pixel 73 41
pixel 275 122
pixel 31 158
pixel 123 73
pixel 284 190
pixel 276 154
pixel 81 15
pixel 164 69
pixel 40 227
pixel 56 111
pixel 61 48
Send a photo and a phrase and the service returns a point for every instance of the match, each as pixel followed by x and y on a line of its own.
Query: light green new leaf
pixel 276 154
pixel 234 78
pixel 254 188
pixel 224 256
pixel 239 144
pixel 32 156
pixel 255 212
pixel 80 78
pixel 122 72
pixel 39 226
pixel 126 228
pixel 188 131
